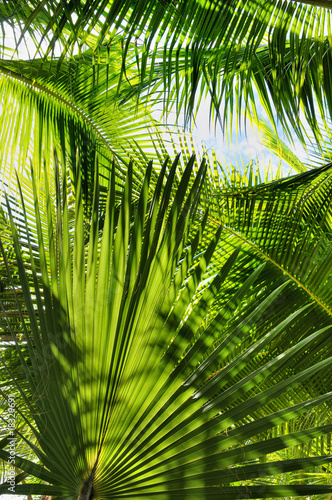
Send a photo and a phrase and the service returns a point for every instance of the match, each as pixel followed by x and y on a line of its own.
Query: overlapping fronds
pixel 286 224
pixel 186 50
pixel 70 113
pixel 165 331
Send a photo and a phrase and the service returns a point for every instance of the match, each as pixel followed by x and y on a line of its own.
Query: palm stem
pixel 86 492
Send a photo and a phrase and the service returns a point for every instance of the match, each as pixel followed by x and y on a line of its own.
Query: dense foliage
pixel 165 324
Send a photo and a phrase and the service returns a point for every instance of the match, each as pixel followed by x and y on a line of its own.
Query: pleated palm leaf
pixel 143 374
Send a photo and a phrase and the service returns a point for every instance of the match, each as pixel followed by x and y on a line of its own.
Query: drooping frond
pixel 70 113
pixel 189 49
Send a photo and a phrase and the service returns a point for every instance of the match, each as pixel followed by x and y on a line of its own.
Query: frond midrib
pixel 34 85
pixel 273 262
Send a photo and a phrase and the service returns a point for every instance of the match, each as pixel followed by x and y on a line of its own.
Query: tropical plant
pixel 165 325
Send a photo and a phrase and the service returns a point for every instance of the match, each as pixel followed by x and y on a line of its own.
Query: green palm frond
pixel 165 330
pixel 67 112
pixel 141 382
pixel 281 150
pixel 287 225
pixel 288 221
pixel 186 50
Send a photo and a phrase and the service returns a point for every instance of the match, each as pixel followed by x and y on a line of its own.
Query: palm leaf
pixel 190 49
pixel 67 112
pixel 139 386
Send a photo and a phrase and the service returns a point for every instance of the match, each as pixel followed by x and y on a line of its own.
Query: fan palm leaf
pixel 140 382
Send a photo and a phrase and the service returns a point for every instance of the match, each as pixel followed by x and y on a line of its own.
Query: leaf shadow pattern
pixel 139 386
